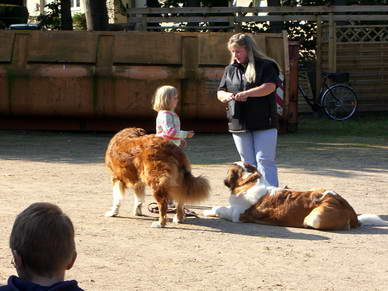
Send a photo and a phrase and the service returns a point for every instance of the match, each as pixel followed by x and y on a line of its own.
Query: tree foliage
pixel 58 16
pixel 79 21
pixel 52 19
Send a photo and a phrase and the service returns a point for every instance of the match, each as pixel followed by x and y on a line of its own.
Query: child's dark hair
pixel 43 236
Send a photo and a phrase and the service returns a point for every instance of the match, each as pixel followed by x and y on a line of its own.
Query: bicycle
pixel 336 99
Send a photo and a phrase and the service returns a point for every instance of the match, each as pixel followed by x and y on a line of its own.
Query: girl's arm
pixel 166 122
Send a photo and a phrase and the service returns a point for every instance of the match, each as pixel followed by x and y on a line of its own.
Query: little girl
pixel 167 122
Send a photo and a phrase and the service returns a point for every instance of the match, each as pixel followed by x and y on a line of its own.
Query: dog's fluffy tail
pixel 195 188
pixel 371 219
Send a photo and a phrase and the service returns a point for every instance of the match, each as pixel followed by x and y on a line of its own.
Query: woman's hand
pixel 224 96
pixel 241 96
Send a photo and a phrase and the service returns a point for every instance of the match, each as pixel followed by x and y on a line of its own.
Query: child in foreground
pixel 167 122
pixel 43 249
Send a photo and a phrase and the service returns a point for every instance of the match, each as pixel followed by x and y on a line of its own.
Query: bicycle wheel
pixel 339 102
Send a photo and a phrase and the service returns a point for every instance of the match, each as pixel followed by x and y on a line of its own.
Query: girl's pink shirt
pixel 168 125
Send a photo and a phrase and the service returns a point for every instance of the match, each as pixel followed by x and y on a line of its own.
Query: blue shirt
pixel 17 284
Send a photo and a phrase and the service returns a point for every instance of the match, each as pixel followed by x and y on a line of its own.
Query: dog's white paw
pixel 209 213
pixel 156 224
pixel 111 213
pixel 176 220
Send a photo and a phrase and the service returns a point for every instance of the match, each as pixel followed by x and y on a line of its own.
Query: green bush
pixel 79 21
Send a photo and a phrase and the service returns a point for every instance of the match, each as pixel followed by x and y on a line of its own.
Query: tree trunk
pixel 96 14
pixel 41 6
pixel 66 19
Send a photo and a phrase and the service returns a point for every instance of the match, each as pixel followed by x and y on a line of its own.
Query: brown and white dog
pixel 252 199
pixel 137 160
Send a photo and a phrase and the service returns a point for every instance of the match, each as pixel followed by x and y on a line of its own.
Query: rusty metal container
pixel 106 80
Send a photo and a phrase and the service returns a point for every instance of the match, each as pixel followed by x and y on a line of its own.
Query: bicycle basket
pixel 339 77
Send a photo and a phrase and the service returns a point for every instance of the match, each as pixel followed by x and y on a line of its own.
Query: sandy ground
pixel 125 253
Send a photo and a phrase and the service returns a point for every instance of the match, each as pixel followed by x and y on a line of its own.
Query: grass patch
pixel 320 138
pixel 362 125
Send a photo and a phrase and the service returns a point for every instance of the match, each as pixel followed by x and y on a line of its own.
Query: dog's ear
pixel 252 178
pixel 233 175
pixel 250 168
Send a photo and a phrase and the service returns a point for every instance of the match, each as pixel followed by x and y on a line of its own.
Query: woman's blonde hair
pixel 162 98
pixel 247 42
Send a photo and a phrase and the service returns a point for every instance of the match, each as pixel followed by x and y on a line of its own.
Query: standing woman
pixel 248 86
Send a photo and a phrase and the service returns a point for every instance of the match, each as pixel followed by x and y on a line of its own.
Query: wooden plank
pixel 352 17
pixel 221 18
pixel 274 49
pixel 213 49
pixel 20 49
pixel 318 66
pixel 191 28
pixel 6 44
pixel 361 26
pixel 376 65
pixel 179 19
pixel 62 47
pixel 359 58
pixel 353 51
pixel 147 48
pixel 255 18
pixel 332 46
pixel 376 89
pixel 373 107
pixel 284 9
pixel 286 72
pixel 372 73
pixel 364 47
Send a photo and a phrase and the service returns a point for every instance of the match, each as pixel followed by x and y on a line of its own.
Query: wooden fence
pixel 207 18
pixel 344 43
pixel 361 50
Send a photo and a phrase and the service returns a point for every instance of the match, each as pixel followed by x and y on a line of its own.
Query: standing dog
pixel 252 199
pixel 136 160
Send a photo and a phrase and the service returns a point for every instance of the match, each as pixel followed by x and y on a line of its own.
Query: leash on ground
pixel 153 208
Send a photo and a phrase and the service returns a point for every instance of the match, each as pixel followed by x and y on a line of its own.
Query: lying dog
pixel 136 160
pixel 252 199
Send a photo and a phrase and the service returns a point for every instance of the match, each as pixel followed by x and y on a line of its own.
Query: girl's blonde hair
pixel 247 42
pixel 162 98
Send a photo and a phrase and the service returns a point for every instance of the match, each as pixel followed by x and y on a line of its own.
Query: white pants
pixel 258 148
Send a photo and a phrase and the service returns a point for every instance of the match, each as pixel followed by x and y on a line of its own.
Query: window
pixel 75 3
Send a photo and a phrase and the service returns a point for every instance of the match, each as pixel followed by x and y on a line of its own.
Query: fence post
pixel 318 65
pixel 143 23
pixel 234 21
pixel 332 44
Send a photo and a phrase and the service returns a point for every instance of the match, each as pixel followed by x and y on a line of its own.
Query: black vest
pixel 257 113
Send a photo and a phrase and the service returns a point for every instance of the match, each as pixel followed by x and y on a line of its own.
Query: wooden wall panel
pixel 113 75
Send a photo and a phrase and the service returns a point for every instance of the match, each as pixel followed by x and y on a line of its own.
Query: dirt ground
pixel 125 253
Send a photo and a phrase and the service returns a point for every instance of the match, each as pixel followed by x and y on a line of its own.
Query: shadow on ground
pixel 332 157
